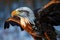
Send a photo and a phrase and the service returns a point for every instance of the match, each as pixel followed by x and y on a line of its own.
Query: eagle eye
pixel 19 11
pixel 23 11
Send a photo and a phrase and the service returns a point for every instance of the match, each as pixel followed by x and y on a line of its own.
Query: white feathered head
pixel 24 12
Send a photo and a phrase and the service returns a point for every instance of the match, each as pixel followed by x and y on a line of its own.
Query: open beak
pixel 15 20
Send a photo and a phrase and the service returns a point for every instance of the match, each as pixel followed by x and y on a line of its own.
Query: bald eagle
pixel 23 17
pixel 39 25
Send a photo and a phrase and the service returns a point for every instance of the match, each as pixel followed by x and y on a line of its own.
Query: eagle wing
pixel 49 17
pixel 51 14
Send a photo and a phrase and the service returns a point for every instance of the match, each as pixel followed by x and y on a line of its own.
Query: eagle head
pixel 24 12
pixel 24 15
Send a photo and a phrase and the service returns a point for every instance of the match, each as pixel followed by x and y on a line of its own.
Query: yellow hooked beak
pixel 14 13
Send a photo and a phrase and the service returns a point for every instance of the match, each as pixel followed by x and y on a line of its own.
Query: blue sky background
pixel 57 28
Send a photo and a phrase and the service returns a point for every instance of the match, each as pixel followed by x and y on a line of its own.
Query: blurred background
pixel 14 33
